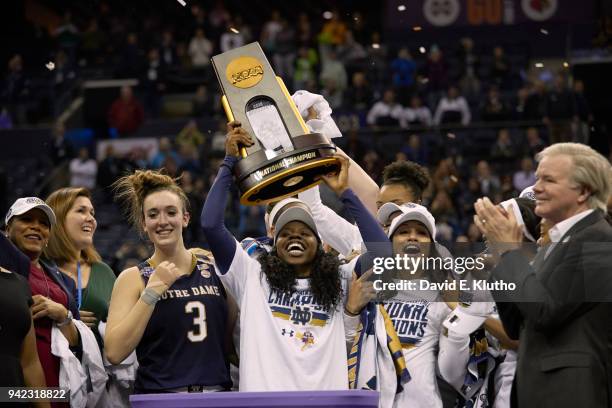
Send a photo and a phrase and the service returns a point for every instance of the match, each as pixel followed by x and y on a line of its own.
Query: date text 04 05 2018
pixel 16 394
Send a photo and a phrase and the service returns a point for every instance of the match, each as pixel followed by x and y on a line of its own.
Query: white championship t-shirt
pixel 418 324
pixel 287 342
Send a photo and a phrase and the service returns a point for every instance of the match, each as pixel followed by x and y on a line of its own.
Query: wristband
pixel 66 321
pixel 150 297
pixel 350 314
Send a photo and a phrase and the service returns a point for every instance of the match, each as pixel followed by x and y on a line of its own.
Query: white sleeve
pixel 350 328
pixel 454 351
pixel 239 271
pixel 343 236
pixel 373 114
pixel 453 358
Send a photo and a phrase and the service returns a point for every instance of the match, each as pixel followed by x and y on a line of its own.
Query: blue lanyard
pixel 79 285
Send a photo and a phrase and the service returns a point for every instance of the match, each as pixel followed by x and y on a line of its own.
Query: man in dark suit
pixel 562 305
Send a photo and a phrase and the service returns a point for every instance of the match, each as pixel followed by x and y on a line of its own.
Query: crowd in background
pixel 424 97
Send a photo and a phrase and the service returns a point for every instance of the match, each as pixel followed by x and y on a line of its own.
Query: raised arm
pixel 374 237
pixel 221 241
pixel 343 236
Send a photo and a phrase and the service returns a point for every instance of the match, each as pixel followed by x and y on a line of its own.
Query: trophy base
pixel 284 175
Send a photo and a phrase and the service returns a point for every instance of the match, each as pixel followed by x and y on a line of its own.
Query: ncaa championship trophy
pixel 285 158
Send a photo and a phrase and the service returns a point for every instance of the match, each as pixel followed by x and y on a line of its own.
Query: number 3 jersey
pixel 287 342
pixel 183 343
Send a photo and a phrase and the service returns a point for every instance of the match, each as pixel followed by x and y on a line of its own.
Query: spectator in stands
pixel 467 196
pixel 352 53
pixel 5 119
pixel 188 160
pixel 414 150
pixel 93 43
pixel 358 96
pixel 377 58
pixel 167 50
pixel 126 113
pixel 28 225
pixel 200 50
pixel 60 149
pixel 503 153
pixel 202 105
pixel 153 81
pixel 494 108
pixel 63 74
pixel 132 58
pixel 385 112
pixel 403 71
pixel 469 64
pixel 500 68
pixel 16 90
pixel 373 164
pixel 109 169
pixel 452 108
pixel 196 200
pixel 72 249
pixel 304 34
pixel 332 68
pixel 305 67
pixel 436 70
pixel 445 176
pixel 416 114
pixel 231 39
pixel 525 177
pixel 284 54
pixel 270 30
pixel 560 111
pixel 583 112
pixel 83 170
pixel 332 94
pixel 333 31
pixel 190 136
pixel 535 106
pixel 520 104
pixel 165 150
pixel 489 183
pixel 67 36
pixel 182 56
pixel 218 18
pixel 534 144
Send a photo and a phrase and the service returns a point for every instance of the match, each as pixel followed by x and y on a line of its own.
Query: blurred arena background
pixel 523 73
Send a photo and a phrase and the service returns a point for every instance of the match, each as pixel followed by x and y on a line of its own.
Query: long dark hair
pixel 325 283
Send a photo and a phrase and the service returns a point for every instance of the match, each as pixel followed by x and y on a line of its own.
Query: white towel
pixel 324 124
pixel 77 375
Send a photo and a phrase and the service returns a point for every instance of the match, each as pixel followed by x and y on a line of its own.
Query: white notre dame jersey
pixel 418 324
pixel 287 342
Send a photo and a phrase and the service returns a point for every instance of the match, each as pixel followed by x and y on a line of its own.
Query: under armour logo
pixel 286 332
pixel 302 316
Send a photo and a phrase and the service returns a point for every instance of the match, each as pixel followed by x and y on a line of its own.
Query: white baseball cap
pixel 272 218
pixel 295 214
pixel 385 211
pixel 518 216
pixel 467 318
pixel 528 193
pixel 414 212
pixel 25 204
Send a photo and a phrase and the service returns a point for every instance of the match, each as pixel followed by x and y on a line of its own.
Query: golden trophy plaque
pixel 285 158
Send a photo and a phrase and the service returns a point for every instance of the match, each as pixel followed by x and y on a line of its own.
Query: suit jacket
pixel 562 312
